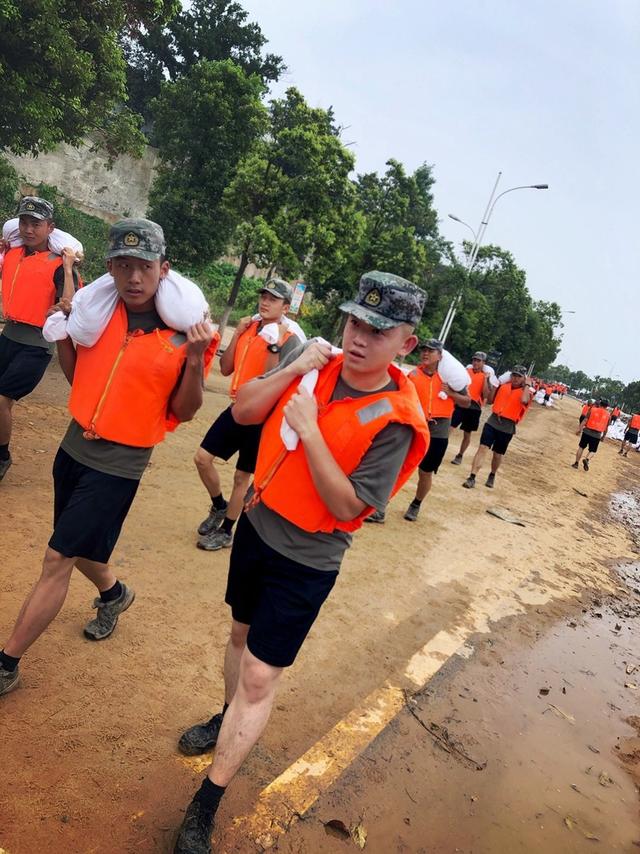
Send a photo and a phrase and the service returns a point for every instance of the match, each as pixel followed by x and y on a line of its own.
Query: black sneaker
pixel 491 479
pixel 585 465
pixel 9 680
pixel 412 512
pixel 213 521
pixel 470 482
pixel 201 737
pixel 4 466
pixel 106 619
pixel 194 835
pixel 457 460
pixel 574 465
pixel 376 516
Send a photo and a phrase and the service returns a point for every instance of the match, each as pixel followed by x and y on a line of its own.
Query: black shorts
pixel 582 417
pixel 614 418
pixel 279 598
pixel 590 442
pixel 467 419
pixel 631 436
pixel 497 440
pixel 22 366
pixel 432 459
pixel 225 437
pixel 89 509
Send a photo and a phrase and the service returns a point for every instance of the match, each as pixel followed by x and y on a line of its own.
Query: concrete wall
pixel 82 175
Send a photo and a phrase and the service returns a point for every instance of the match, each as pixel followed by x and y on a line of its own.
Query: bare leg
pixel 479 458
pixel 43 603
pixel 496 460
pixel 425 480
pixel 233 653
pixel 579 454
pixel 241 481
pixel 99 574
pixel 466 441
pixel 6 405
pixel 245 718
pixel 208 472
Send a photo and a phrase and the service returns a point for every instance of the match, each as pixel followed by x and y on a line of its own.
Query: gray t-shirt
pixel 24 333
pixel 372 481
pixel 505 425
pixel 595 434
pixel 101 454
pixel 439 428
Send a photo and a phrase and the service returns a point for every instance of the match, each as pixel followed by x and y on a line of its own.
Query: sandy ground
pixel 87 745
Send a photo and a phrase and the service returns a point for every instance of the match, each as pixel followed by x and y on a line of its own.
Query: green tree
pixel 206 121
pixel 631 397
pixel 62 72
pixel 394 227
pixel 497 312
pixel 291 197
pixel 206 29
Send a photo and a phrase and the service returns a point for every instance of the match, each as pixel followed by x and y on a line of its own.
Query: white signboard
pixel 298 296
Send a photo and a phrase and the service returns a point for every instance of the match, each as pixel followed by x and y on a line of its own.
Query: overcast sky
pixel 546 92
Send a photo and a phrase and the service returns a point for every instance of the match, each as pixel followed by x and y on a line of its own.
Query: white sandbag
pixel 452 372
pixel 267 332
pixel 58 239
pixel 539 396
pixel 308 382
pixel 179 302
pixel 505 378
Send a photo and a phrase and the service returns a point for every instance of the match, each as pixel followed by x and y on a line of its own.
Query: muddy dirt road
pixel 460 602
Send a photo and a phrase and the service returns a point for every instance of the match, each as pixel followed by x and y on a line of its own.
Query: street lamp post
pixel 479 235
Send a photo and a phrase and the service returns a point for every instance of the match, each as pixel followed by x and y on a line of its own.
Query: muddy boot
pixel 470 482
pixel 194 835
pixel 457 460
pixel 108 612
pixel 4 466
pixel 9 680
pixel 412 511
pixel 201 737
pixel 213 521
pixel 218 539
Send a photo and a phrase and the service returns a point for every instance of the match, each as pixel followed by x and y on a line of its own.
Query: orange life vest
pixel 282 478
pixel 428 388
pixel 250 356
pixel 28 291
pixel 475 388
pixel 634 424
pixel 598 419
pixel 585 409
pixel 508 403
pixel 616 411
pixel 122 385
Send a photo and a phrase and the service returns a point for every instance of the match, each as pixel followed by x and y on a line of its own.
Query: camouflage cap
pixel 480 355
pixel 432 344
pixel 136 238
pixel 36 207
pixel 277 288
pixel 519 370
pixel 385 300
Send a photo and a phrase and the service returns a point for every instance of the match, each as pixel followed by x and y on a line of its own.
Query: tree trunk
pixel 235 288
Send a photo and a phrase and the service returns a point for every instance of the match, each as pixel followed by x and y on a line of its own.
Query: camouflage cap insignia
pixel 373 298
pixel 30 206
pixel 131 239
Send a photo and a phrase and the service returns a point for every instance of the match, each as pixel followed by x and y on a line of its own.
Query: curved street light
pixel 484 222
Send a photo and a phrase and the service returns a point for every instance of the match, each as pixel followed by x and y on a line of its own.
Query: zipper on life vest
pixel 236 373
pixel 90 433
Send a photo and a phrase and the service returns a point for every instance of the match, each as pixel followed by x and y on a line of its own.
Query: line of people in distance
pixel 594 421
